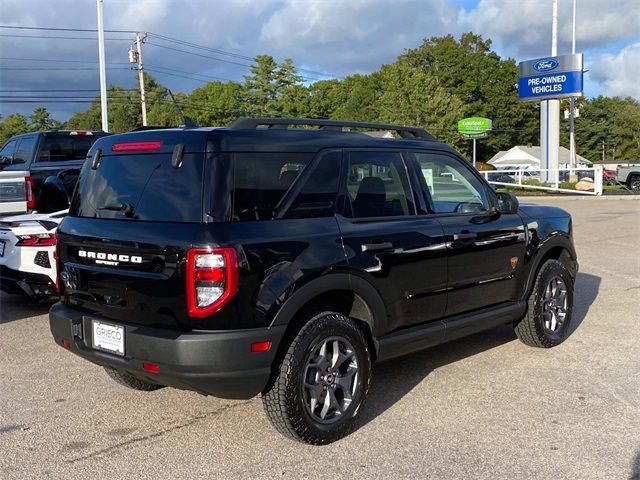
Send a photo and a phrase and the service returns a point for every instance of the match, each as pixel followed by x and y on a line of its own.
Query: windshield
pixel 141 187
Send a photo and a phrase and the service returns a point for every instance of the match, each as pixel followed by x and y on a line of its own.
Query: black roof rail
pixel 248 123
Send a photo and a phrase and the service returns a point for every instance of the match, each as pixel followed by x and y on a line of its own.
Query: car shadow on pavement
pixel 635 467
pixel 585 292
pixel 17 307
pixel 392 380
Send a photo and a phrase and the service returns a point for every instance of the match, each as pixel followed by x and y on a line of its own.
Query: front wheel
pixel 548 317
pixel 321 382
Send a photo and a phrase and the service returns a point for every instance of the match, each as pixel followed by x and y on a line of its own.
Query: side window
pixel 24 151
pixel 452 186
pixel 317 196
pixel 377 185
pixel 6 154
pixel 261 180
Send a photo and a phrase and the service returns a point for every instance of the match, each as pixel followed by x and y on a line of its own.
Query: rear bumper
pixel 218 363
pixel 34 285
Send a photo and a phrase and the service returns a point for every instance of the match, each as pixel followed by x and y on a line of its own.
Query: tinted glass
pixel 377 185
pixel 62 148
pixel 261 181
pixel 141 187
pixel 6 154
pixel 318 194
pixel 452 186
pixel 24 151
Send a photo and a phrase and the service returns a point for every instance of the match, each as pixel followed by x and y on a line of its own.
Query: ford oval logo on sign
pixel 545 65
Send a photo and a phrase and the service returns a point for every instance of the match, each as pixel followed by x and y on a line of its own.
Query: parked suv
pixel 285 261
pixel 38 170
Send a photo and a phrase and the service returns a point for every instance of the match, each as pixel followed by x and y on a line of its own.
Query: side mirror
pixel 507 203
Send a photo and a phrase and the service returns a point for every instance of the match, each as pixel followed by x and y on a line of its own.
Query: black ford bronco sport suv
pixel 265 259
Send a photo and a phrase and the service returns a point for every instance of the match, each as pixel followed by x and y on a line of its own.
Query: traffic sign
pixel 551 77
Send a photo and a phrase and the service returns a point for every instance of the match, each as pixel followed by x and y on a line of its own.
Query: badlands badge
pixel 514 262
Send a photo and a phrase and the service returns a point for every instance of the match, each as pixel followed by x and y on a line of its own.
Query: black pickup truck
pixel 39 170
pixel 265 259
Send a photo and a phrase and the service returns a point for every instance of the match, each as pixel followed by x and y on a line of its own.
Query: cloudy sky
pixel 325 38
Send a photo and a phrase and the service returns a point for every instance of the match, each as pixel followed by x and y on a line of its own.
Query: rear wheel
pixel 634 182
pixel 546 323
pixel 321 381
pixel 128 380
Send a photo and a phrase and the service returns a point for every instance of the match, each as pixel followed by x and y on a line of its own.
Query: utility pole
pixel 572 106
pixel 103 72
pixel 136 57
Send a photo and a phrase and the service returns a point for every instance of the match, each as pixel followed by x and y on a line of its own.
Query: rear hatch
pixel 133 215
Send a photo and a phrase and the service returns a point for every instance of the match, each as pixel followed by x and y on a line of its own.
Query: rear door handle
pixel 376 247
pixel 464 236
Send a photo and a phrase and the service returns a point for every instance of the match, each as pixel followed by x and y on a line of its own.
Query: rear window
pixel 62 148
pixel 262 180
pixel 141 187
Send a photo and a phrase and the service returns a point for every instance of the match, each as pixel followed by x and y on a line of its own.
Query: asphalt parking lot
pixel 482 407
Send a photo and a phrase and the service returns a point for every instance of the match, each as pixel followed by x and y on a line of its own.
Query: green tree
pixel 413 97
pixel 261 87
pixel 13 124
pixel 469 69
pixel 215 103
pixel 608 123
pixel 41 120
pixel 358 98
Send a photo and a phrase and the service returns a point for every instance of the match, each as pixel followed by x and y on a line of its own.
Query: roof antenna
pixel 186 121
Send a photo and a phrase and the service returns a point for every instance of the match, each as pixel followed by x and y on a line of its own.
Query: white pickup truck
pixel 16 192
pixel 629 176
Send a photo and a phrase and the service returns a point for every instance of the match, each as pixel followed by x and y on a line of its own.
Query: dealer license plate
pixel 107 337
pixel 2 248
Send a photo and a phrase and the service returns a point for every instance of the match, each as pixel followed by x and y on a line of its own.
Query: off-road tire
pixel 283 398
pixel 634 183
pixel 530 330
pixel 128 380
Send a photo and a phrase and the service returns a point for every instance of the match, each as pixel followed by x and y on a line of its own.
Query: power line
pixel 58 60
pixel 58 68
pixel 161 37
pixel 230 54
pixel 7 35
pixel 214 58
pixel 59 29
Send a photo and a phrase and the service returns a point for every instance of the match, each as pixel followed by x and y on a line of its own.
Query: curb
pixel 592 198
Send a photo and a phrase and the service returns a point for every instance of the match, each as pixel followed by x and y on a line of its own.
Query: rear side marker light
pixel 66 343
pixel 136 146
pixel 150 367
pixel 263 346
pixel 211 280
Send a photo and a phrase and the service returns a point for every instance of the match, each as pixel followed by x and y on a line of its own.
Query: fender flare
pixel 554 241
pixel 335 281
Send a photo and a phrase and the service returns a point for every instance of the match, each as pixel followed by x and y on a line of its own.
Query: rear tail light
pixel 212 279
pixel 37 240
pixel 29 185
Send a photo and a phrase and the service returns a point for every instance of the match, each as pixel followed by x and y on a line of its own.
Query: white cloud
pixel 523 28
pixel 618 74
pixel 334 36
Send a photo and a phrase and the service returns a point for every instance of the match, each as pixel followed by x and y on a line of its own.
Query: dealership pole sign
pixel 551 78
pixel 474 128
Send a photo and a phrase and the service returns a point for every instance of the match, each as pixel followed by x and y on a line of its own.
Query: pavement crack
pixel 150 436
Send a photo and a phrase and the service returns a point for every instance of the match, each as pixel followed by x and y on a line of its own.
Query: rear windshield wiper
pixel 125 208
